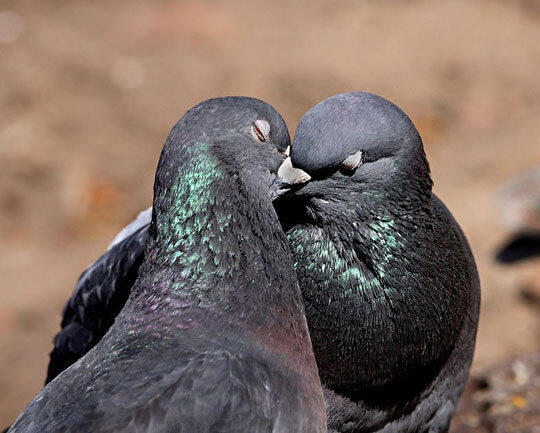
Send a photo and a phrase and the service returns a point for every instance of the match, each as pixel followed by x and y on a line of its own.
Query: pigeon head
pixel 361 151
pixel 360 143
pixel 240 137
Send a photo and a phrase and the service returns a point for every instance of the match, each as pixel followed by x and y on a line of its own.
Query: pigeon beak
pixel 287 152
pixel 291 175
pixel 287 178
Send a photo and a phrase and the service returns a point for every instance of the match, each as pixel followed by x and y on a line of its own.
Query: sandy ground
pixel 89 91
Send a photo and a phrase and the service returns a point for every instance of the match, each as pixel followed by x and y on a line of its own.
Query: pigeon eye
pixel 353 161
pixel 260 130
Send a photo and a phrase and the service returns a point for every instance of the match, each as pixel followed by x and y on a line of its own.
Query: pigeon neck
pixel 376 280
pixel 391 202
pixel 216 247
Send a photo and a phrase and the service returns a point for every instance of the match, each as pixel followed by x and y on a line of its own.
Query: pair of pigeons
pixel 328 290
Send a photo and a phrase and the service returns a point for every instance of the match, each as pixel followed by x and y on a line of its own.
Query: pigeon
pixel 213 336
pixel 389 283
pixel 388 280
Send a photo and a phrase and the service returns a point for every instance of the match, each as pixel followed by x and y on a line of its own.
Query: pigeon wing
pixel 213 391
pixel 100 294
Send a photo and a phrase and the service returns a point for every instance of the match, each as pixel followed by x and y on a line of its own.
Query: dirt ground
pixel 89 91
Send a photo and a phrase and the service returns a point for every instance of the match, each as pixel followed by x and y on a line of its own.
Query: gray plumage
pixel 389 282
pixel 213 336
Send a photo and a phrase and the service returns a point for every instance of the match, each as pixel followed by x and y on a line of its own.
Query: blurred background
pixel 89 91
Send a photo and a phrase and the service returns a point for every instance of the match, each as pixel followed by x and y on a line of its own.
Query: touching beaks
pixel 287 178
pixel 291 175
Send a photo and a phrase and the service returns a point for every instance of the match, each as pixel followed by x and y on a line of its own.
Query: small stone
pixel 522 373
pixel 519 401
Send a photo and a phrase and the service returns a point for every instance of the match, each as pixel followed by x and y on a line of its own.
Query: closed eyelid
pixel 353 160
pixel 260 129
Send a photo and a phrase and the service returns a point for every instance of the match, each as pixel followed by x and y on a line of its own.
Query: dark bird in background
pixel 213 336
pixel 388 280
pixel 389 283
pixel 519 210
